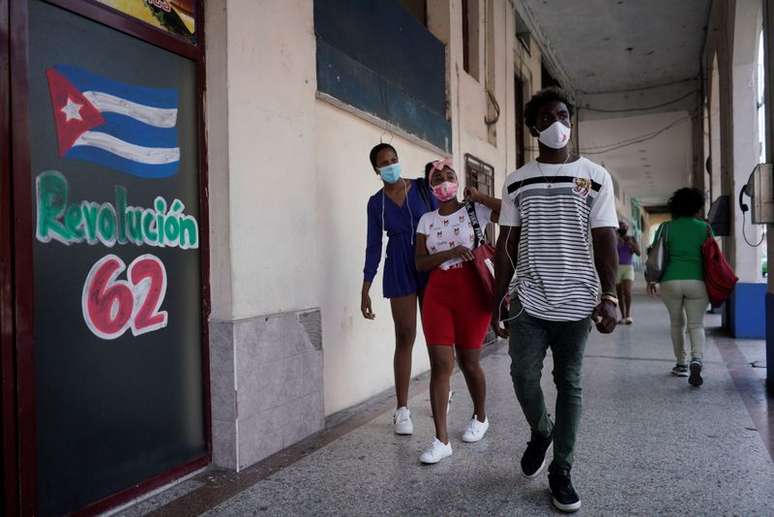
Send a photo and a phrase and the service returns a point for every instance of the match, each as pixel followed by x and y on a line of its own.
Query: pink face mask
pixel 445 191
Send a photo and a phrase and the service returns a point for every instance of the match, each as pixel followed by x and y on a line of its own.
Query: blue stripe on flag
pixel 96 155
pixel 86 81
pixel 136 132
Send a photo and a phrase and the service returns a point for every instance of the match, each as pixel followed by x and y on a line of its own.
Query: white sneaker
pixel 402 421
pixel 476 430
pixel 437 451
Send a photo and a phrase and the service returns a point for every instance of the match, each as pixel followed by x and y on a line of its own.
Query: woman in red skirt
pixel 455 312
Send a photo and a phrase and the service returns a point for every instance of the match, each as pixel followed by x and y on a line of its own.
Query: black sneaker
pixel 695 378
pixel 534 458
pixel 564 496
pixel 680 370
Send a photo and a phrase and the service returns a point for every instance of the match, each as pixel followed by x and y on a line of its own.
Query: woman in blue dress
pixel 396 209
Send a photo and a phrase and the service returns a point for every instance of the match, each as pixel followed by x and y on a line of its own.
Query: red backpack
pixel 719 277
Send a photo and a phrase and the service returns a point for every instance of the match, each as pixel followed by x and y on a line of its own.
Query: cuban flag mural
pixel 131 129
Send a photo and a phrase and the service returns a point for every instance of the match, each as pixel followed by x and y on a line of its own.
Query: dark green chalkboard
pixel 111 413
pixel 374 55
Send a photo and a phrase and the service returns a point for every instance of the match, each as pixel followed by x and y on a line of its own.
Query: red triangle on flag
pixel 73 113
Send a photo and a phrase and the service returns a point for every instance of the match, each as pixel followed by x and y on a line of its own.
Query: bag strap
pixel 470 207
pixel 664 232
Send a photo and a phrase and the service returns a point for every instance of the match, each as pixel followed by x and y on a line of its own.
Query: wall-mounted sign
pixel 116 258
pixel 176 16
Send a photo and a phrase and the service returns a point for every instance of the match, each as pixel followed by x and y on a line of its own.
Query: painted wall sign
pixel 111 306
pixel 119 386
pixel 163 225
pixel 177 16
pixel 131 129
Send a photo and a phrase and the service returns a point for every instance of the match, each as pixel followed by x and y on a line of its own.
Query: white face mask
pixel 555 136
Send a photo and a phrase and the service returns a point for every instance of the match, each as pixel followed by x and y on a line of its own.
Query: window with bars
pixel 480 175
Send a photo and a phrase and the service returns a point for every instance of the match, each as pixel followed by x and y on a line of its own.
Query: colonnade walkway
pixel 649 444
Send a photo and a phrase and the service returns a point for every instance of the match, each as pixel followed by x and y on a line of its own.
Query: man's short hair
pixel 543 97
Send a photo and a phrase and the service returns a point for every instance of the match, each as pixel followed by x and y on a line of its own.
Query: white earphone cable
pixel 510 259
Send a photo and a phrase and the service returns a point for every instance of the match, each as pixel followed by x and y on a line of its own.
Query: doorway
pixel 103 296
pixel 518 88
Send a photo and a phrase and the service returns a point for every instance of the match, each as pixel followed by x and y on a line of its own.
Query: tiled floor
pixel 649 444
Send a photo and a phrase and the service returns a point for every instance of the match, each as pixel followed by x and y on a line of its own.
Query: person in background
pixel 627 248
pixel 682 284
pixel 456 309
pixel 396 209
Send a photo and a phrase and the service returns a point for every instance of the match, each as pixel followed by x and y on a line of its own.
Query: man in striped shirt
pixel 553 211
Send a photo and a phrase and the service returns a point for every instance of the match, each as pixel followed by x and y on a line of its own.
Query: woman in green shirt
pixel 682 286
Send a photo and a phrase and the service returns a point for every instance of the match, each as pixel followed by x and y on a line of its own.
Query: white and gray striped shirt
pixel 556 206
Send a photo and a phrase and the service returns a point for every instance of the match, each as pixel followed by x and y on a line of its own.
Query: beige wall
pixel 358 352
pixel 271 161
pixel 470 104
pixel 260 155
pixel 290 177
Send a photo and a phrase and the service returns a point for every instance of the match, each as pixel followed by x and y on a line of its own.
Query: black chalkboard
pixel 118 353
pixel 375 56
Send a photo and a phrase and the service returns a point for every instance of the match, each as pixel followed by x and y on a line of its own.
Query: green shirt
pixel 685 236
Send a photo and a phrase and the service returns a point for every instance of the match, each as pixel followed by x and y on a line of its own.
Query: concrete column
pixel 768 27
pixel 746 308
pixel 698 177
pixel 746 259
pixel 265 335
pixel 217 154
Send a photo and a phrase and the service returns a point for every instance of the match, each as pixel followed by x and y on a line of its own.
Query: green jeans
pixel 530 339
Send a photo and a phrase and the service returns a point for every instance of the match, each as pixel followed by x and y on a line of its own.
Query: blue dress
pixel 401 277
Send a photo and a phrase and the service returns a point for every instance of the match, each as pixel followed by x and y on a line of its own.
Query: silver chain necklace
pixel 550 183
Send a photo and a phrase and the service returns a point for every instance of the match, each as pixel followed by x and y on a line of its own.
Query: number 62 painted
pixel 111 306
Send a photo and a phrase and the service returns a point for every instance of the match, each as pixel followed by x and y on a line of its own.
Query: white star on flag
pixel 72 110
